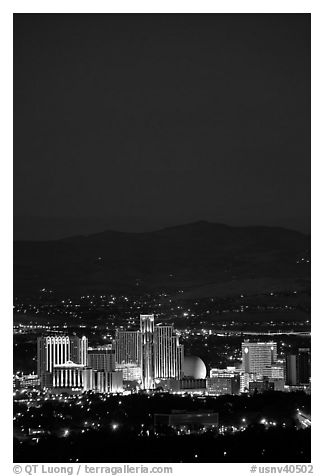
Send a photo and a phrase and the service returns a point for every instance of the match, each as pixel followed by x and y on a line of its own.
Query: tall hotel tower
pixel 168 353
pixel 147 345
pixel 58 350
pixel 128 348
pixel 257 356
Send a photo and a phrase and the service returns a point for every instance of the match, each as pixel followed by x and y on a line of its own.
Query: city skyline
pixel 143 377
pixel 152 358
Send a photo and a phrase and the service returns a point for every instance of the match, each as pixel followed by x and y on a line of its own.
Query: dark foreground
pixel 97 428
pixel 255 445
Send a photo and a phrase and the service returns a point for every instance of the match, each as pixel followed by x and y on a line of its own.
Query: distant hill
pixel 199 255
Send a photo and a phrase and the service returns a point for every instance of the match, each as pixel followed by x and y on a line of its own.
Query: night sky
pixel 136 122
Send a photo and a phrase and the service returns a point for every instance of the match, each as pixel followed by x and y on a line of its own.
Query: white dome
pixel 194 367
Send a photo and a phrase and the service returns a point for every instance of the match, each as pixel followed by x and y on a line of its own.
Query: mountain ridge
pixel 196 224
pixel 183 256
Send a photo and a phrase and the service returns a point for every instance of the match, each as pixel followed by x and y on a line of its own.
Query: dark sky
pixel 135 122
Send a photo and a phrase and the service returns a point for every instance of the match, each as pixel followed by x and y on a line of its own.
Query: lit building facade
pixel 57 350
pixel 131 373
pixel 274 371
pixel 68 375
pixel 147 353
pixel 128 348
pixel 227 372
pixel 102 358
pixel 79 350
pixel 223 385
pixel 256 356
pixel 26 381
pixel 107 382
pixel 87 379
pixel 150 354
pixel 168 353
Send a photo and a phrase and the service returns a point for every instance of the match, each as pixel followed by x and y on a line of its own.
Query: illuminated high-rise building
pixel 168 353
pixel 50 351
pixel 147 352
pixel 257 356
pixel 128 354
pixel 128 348
pixel 102 358
pixel 79 350
pixel 152 353
pixel 257 361
pixel 179 360
pixel 57 350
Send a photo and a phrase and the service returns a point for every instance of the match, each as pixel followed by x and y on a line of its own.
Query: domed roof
pixel 194 367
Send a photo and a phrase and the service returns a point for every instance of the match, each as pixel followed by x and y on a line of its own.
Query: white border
pixel 166 6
